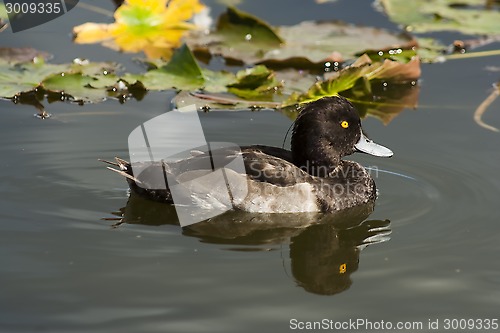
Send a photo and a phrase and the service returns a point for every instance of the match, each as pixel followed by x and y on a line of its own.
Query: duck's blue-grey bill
pixel 367 146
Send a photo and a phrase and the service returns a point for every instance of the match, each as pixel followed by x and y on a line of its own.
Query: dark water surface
pixel 64 269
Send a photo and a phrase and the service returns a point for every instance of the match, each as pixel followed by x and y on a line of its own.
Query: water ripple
pixel 415 190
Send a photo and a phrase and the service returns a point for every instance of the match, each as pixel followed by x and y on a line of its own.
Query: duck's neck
pixel 321 165
pixel 314 155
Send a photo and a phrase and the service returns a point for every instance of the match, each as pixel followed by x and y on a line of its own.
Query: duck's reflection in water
pixel 324 248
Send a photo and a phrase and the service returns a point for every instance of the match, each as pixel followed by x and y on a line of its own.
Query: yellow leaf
pixel 183 10
pixel 92 33
pixel 155 27
pixel 153 5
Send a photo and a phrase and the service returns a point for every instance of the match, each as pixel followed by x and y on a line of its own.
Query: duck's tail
pixel 125 168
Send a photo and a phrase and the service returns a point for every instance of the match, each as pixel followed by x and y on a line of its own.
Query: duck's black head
pixel 325 131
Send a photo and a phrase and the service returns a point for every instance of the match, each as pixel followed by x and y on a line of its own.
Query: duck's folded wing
pixel 276 170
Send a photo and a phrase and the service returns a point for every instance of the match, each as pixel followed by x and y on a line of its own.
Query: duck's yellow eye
pixel 344 124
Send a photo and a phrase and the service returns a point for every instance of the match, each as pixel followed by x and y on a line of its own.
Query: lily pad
pixel 78 86
pixel 19 78
pixel 465 16
pixel 181 72
pixel 237 38
pixel 217 81
pixel 334 41
pixel 89 68
pixel 255 83
pixel 73 79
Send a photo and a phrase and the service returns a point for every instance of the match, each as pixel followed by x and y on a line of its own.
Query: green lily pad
pixel 237 38
pixel 440 15
pixel 80 80
pixel 181 72
pixel 86 67
pixel 255 83
pixel 217 81
pixel 239 27
pixel 19 78
pixel 238 32
pixel 334 41
pixel 78 86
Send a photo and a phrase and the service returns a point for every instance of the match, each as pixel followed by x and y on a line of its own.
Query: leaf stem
pixel 481 109
pixel 472 55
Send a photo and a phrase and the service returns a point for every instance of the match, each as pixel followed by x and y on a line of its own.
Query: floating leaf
pixel 78 86
pixel 217 81
pixel 25 77
pixel 255 83
pixel 153 26
pixel 84 81
pixel 74 79
pixel 364 69
pixel 238 27
pixel 246 35
pixel 440 15
pixel 89 68
pixel 335 41
pixel 181 72
pixel 242 37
